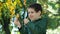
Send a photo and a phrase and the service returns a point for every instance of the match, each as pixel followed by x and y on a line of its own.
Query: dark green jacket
pixel 35 27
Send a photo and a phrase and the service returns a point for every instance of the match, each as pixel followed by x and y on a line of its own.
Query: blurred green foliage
pixel 53 19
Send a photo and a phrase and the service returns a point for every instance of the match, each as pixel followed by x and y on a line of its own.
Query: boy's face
pixel 32 14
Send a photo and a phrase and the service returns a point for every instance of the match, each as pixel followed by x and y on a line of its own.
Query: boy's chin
pixel 32 19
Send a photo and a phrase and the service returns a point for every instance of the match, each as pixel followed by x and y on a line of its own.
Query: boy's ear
pixel 39 12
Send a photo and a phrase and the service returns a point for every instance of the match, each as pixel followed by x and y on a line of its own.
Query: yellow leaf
pixel 13 13
pixel 12 8
pixel 17 15
pixel 15 3
pixel 20 5
pixel 24 2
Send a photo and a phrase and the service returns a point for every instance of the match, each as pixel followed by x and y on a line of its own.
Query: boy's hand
pixel 16 22
pixel 26 21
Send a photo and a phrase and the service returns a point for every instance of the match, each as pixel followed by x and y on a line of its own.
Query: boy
pixel 36 24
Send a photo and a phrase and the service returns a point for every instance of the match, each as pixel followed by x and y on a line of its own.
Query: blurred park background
pixel 11 9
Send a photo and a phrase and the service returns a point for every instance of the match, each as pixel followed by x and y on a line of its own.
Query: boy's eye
pixel 32 12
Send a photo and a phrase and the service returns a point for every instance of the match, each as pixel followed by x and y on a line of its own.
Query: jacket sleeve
pixel 23 30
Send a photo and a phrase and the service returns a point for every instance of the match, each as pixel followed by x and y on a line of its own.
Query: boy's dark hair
pixel 37 7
